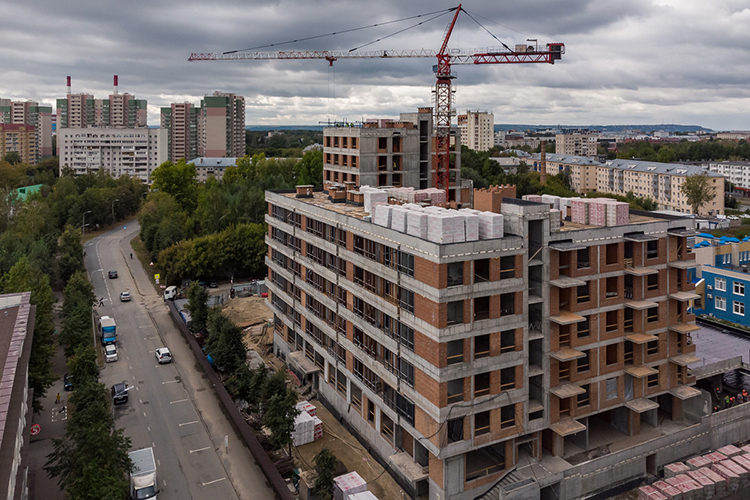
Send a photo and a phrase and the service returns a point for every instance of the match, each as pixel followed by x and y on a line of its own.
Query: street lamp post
pixel 113 210
pixel 83 220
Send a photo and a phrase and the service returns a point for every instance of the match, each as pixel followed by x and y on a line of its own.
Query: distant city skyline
pixel 635 61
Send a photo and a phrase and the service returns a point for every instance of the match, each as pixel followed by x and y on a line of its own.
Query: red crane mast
pixel 443 91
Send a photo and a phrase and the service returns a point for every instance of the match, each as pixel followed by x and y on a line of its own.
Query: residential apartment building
pixel 736 172
pixel 20 139
pixel 733 136
pixel 205 167
pixel 214 129
pixel 458 362
pixel 16 335
pixel 119 151
pixel 657 181
pixel 31 113
pixel 388 153
pixel 577 143
pixel 84 110
pixel 477 130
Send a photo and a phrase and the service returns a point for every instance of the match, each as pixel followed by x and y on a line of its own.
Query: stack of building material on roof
pixel 398 218
pixel 715 457
pixel 491 226
pixel 730 450
pixel 650 493
pixel 434 210
pixel 668 490
pixel 402 194
pixel 691 489
pixel 373 196
pixel 304 429
pixel 317 428
pixel 618 214
pixel 721 485
pixel 308 407
pixel 347 485
pixel 365 495
pixel 552 200
pixel 532 197
pixel 565 205
pixel 382 215
pixel 579 211
pixel 746 448
pixel 416 223
pixel 440 227
pixel 598 212
pixel 733 479
pixel 554 220
pixel 471 222
pixel 413 206
pixel 672 470
pixel 709 487
pixel 470 211
pixel 421 196
pixel 437 196
pixel 459 226
pixel 698 463
pixel 739 470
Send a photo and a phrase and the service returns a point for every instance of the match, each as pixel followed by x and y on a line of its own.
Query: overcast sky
pixel 626 61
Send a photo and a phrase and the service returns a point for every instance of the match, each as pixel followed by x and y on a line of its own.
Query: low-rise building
pixel 205 167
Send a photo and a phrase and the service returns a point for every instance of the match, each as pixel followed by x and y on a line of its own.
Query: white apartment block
pixel 577 143
pixel 477 130
pixel 736 172
pixel 119 151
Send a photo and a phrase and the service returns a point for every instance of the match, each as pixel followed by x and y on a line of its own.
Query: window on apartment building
pixel 455 352
pixel 455 390
pixel 612 287
pixel 507 267
pixel 652 347
pixel 507 341
pixel 652 314
pixel 583 293
pixel 406 372
pixel 720 303
pixel 652 249
pixel 481 346
pixel 652 380
pixel 508 378
pixel 507 304
pixel 481 270
pixel 481 308
pixel 584 399
pixel 583 258
pixel 584 328
pixel 482 423
pixel 612 254
pixel 456 430
pixel 584 363
pixel 406 298
pixel 507 416
pixel 612 388
pixel 738 287
pixel 456 274
pixel 738 308
pixel 455 312
pixel 612 354
pixel 652 282
pixel 482 385
pixel 406 263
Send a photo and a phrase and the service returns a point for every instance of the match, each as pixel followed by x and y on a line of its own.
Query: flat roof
pixel 713 345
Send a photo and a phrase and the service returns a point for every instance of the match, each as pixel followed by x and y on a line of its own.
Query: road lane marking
pixel 141 401
pixel 147 326
pixel 214 481
pixel 144 413
pixel 202 449
pixel 153 445
pixel 158 462
pixel 164 483
pixel 149 429
pixel 169 381
pixel 188 423
pixel 178 401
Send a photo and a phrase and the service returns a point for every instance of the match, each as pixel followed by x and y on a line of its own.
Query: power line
pixel 441 12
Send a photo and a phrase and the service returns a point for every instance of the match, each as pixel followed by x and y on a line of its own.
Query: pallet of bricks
pixel 348 485
pixel 717 475
pixel 307 426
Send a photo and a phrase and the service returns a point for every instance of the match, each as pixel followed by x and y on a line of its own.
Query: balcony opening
pixel 456 274
pixel 584 363
pixel 482 346
pixel 564 335
pixel 652 347
pixel 397 144
pixel 335 142
pixel 652 249
pixel 583 293
pixel 481 270
pixel 383 144
pixel 564 408
pixel 508 378
pixel 652 282
pixel 456 430
pixel 612 254
pixel 507 416
pixel 455 390
pixel 612 354
pixel 583 329
pixel 507 267
pixel 628 323
pixel 356 397
pixel 382 163
pixel 455 312
pixel 612 289
pixel 396 182
pixel 482 423
pixel 481 308
pixel 455 352
pixel 485 462
pixel 386 427
pixel 583 258
pixel 652 380
pixel 563 373
pixel 507 341
pixel 383 180
pixel 629 356
pixel 611 321
pixel 482 385
pixel 628 254
pixel 584 399
pixel 652 314
pixel 397 163
pixel 507 304
pixel 564 266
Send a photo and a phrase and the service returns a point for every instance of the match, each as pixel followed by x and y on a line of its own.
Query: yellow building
pixel 20 139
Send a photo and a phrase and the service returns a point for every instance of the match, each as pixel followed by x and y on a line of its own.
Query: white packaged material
pixel 382 215
pixel 552 200
pixel 554 220
pixel 365 495
pixel 471 222
pixel 440 228
pixel 413 206
pixel 347 485
pixel 398 218
pixel 304 429
pixel 374 196
pixel 470 211
pixel 491 226
pixel 434 210
pixel 416 223
pixel 459 226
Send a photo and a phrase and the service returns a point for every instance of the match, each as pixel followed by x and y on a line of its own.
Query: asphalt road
pixel 169 407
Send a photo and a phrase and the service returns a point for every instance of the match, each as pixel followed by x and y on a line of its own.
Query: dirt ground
pixel 348 450
pixel 248 311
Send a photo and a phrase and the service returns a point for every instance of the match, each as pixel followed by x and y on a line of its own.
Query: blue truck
pixel 107 330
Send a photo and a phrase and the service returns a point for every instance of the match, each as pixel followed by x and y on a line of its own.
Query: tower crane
pixel 443 91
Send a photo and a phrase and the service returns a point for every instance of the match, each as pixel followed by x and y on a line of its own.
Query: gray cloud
pixel 627 61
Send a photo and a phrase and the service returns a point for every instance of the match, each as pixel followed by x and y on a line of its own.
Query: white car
pixel 110 353
pixel 163 355
pixel 125 297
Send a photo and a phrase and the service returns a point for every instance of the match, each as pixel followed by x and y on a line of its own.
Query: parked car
pixel 120 393
pixel 125 297
pixel 68 382
pixel 110 353
pixel 163 355
pixel 113 275
pixel 213 284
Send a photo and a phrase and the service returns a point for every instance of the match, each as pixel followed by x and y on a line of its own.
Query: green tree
pixel 225 343
pixel 279 415
pixel 325 467
pixel 197 298
pixel 666 155
pixel 310 168
pixel 13 157
pixel 698 190
pixel 25 277
pixel 71 260
pixel 177 179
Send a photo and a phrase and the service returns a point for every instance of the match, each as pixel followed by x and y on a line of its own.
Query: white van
pixel 110 353
pixel 170 293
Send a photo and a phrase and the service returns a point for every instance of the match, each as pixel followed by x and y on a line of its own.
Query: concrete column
pixel 558 445
pixel 676 408
pixel 634 423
